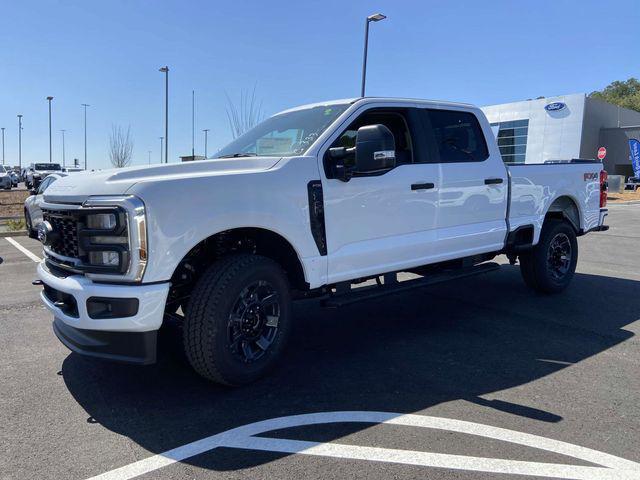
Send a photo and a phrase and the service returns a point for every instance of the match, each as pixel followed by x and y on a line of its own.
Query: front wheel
pixel 238 319
pixel 550 265
pixel 29 224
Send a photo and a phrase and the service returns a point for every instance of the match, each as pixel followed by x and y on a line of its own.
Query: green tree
pixel 624 94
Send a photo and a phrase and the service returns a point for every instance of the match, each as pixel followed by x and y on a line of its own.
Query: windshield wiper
pixel 238 155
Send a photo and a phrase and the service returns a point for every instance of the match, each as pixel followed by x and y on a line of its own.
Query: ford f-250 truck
pixel 311 202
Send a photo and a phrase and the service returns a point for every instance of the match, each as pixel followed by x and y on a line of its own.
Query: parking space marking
pixel 611 467
pixel 32 256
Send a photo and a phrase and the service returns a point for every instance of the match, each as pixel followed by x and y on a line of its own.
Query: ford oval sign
pixel 555 106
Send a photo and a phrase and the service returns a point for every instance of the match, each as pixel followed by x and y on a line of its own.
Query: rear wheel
pixel 550 265
pixel 238 319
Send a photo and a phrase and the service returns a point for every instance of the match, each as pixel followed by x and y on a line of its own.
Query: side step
pixel 337 300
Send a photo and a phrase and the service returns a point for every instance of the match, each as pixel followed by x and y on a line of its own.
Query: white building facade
pixel 564 127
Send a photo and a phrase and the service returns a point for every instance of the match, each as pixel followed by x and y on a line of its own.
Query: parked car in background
pixel 5 179
pixel 12 175
pixel 32 211
pixel 37 172
pixel 72 169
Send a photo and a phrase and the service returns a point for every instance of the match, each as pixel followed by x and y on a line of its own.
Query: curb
pixel 14 234
pixel 631 202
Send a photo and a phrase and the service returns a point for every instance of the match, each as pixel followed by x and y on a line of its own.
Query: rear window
pixel 47 166
pixel 458 136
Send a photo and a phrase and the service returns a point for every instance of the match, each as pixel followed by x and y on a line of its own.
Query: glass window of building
pixel 512 140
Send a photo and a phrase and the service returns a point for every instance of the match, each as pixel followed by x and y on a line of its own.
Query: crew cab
pixel 329 200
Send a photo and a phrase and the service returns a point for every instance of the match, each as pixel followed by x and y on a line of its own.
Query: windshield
pixel 47 166
pixel 286 134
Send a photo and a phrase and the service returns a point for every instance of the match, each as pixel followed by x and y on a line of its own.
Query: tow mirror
pixel 375 149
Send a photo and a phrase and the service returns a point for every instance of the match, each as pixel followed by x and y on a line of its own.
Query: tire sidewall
pixel 549 232
pixel 232 368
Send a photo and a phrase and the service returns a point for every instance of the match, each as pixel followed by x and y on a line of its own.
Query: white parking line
pixel 32 256
pixel 611 467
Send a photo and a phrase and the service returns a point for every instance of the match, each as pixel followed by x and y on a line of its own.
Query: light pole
pixel 63 157
pixel 3 145
pixel 20 143
pixel 376 17
pixel 193 124
pixel 85 105
pixel 161 139
pixel 50 149
pixel 149 156
pixel 165 70
pixel 206 133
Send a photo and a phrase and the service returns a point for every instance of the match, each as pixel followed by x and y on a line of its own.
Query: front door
pixel 385 222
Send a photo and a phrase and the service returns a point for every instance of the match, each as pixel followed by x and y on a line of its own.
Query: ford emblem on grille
pixel 46 234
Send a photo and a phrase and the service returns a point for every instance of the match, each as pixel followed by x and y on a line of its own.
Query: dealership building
pixel 565 127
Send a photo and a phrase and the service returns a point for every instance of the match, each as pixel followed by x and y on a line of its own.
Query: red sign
pixel 602 152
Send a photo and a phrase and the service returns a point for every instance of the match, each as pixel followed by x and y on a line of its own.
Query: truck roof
pixel 374 99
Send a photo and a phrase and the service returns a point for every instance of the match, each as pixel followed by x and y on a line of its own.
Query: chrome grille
pixel 67 227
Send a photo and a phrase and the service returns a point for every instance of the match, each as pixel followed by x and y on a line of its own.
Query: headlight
pixel 104 259
pixel 102 221
pixel 115 237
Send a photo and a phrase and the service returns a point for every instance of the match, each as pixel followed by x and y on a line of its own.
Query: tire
pixel 550 265
pixel 224 320
pixel 29 224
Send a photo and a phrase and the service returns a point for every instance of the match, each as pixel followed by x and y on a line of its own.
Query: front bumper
pixel 128 347
pixel 128 339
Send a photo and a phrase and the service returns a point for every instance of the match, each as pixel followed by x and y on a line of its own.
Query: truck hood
pixel 76 188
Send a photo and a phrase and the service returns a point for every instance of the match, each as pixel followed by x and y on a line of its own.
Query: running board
pixel 337 300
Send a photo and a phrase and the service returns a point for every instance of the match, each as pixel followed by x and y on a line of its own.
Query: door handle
pixel 422 186
pixel 492 181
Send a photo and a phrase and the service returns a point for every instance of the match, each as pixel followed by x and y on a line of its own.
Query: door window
pixel 457 135
pixel 394 119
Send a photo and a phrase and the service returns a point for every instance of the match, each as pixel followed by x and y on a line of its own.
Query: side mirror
pixel 375 149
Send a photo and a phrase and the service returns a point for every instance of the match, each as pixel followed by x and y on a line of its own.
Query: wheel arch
pixel 565 207
pixel 255 240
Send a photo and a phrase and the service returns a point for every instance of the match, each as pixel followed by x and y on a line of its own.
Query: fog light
pixel 102 307
pixel 101 221
pixel 108 259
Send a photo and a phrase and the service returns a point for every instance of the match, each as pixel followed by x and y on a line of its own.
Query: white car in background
pixel 32 211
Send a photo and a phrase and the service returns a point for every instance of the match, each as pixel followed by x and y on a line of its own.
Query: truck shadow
pixel 404 353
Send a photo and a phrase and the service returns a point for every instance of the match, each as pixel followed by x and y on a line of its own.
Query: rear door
pixel 472 200
pixel 381 223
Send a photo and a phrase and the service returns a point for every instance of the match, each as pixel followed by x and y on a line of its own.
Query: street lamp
pixel 3 145
pixel 165 70
pixel 63 158
pixel 50 150
pixel 149 156
pixel 161 139
pixel 206 132
pixel 376 17
pixel 20 143
pixel 85 105
pixel 193 124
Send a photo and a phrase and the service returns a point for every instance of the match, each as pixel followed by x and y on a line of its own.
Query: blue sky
pixel 108 53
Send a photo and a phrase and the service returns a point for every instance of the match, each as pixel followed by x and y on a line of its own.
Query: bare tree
pixel 120 146
pixel 245 115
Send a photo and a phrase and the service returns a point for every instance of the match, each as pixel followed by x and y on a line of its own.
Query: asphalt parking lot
pixel 471 363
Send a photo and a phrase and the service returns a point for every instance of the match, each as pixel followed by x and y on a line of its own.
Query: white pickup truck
pixel 311 202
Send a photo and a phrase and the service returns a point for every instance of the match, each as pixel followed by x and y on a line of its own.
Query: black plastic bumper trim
pixel 126 347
